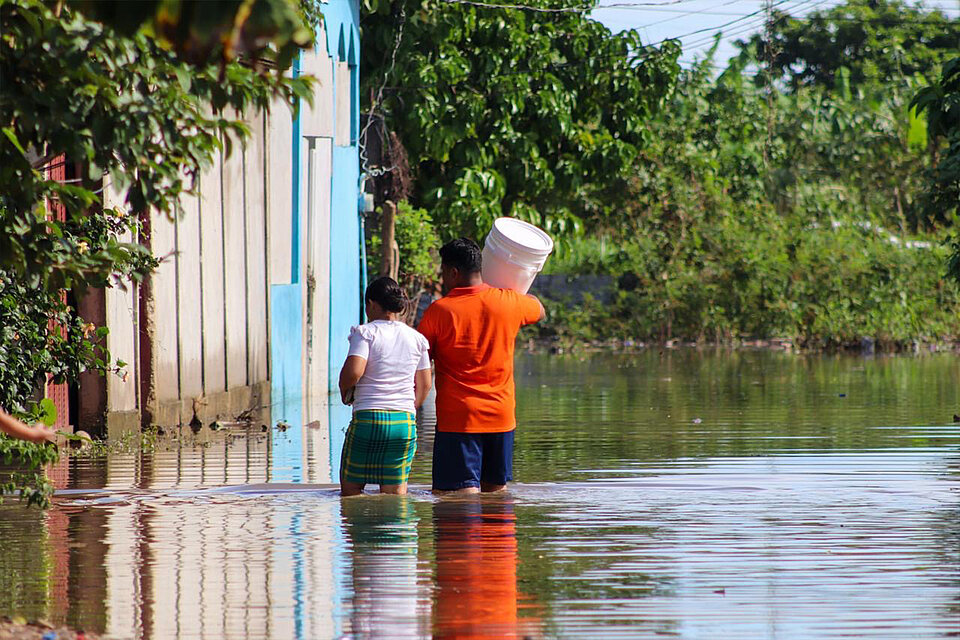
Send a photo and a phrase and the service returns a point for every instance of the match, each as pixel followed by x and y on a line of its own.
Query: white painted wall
pixel 163 285
pixel 188 299
pixel 211 283
pixel 279 190
pixel 234 314
pixel 210 313
pixel 319 168
pixel 122 316
pixel 317 119
pixel 258 330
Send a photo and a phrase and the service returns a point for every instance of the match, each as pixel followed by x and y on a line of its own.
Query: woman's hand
pixel 350 375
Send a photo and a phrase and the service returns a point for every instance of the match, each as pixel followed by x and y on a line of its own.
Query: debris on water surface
pixel 842 395
pixel 956 418
pixel 697 421
pixel 282 426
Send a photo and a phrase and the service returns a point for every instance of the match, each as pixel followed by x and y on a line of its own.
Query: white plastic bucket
pixel 514 253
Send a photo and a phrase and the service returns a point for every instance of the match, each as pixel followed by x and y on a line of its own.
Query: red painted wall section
pixel 59 393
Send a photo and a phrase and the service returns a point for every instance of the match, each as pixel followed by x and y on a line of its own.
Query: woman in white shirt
pixel 386 377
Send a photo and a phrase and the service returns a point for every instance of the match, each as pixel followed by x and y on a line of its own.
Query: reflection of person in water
pixel 383 535
pixel 476 564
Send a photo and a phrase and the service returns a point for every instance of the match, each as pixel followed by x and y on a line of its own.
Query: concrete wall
pixel 194 337
pixel 260 279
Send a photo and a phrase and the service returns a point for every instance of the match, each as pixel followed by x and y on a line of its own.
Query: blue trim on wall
pixel 295 228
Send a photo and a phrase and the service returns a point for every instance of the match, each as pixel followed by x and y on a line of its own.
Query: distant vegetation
pixel 807 188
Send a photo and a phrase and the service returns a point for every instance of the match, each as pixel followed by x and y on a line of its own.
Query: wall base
pixel 240 403
pixel 121 422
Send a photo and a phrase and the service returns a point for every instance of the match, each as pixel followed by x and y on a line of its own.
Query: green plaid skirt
pixel 379 447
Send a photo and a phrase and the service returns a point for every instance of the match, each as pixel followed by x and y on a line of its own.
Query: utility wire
pixel 580 9
pixel 745 28
pixel 647 51
pixel 682 13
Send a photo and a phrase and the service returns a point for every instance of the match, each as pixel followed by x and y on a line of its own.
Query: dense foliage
pixel 940 101
pixel 787 196
pixel 511 112
pixel 139 109
pixel 418 243
pixel 790 215
pixel 869 41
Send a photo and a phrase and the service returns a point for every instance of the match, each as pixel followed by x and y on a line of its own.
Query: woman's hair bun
pixel 387 293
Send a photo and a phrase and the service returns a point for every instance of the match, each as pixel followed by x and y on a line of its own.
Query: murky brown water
pixel 692 495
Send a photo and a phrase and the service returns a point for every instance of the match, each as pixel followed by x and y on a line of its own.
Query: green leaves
pixel 418 242
pixel 128 111
pixel 48 412
pixel 509 112
pixel 26 476
pixel 200 32
pixel 858 42
pixel 940 102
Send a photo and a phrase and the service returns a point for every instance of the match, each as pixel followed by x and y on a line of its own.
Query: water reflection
pixel 476 597
pixel 786 512
pixel 381 535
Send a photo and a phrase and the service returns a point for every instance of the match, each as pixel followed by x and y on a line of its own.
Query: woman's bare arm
pixel 422 382
pixel 350 374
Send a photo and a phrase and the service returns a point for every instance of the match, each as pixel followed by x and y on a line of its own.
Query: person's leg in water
pixel 497 466
pixel 456 463
pixel 350 488
pixel 394 489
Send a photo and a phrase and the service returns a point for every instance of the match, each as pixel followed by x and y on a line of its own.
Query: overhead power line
pixel 575 9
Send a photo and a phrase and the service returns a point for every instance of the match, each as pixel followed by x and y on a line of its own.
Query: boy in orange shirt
pixel 472 331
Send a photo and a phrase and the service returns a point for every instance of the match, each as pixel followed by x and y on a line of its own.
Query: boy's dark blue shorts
pixel 462 460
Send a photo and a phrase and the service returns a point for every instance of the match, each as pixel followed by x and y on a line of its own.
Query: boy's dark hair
pixel 463 254
pixel 387 293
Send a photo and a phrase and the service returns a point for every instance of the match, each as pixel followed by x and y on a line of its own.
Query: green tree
pixel 142 112
pixel 512 112
pixel 417 240
pixel 876 41
pixel 757 214
pixel 940 101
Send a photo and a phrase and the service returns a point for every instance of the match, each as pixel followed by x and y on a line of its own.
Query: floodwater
pixel 680 494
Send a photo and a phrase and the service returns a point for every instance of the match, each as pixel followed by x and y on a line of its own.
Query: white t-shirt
pixel 394 353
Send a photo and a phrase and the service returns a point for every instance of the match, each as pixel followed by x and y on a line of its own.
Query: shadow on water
pixel 734 495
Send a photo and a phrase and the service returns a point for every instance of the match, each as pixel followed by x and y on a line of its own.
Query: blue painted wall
pixel 342 18
pixel 286 340
pixel 286 382
pixel 287 300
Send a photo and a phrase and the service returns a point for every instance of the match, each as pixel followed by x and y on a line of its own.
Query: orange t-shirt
pixel 472 331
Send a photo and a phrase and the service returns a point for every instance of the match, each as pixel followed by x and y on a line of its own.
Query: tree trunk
pixel 389 252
